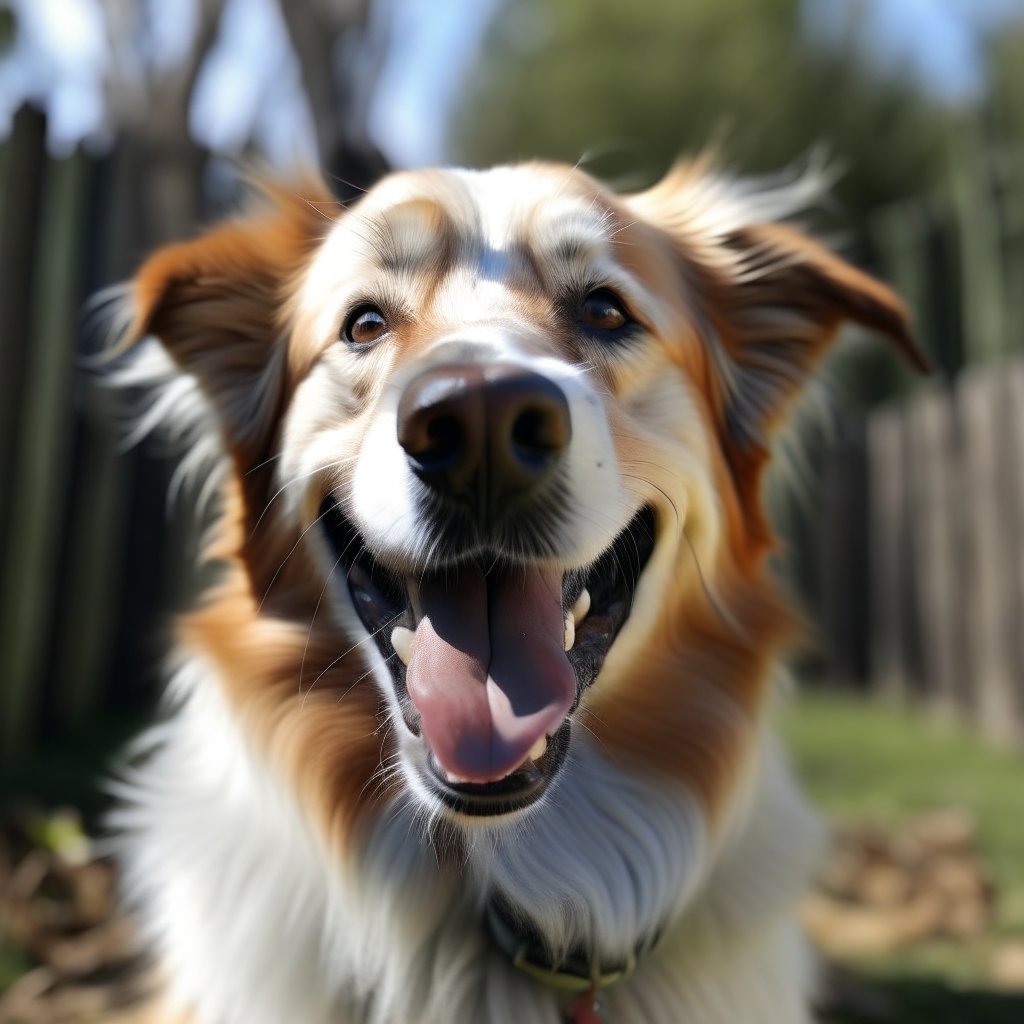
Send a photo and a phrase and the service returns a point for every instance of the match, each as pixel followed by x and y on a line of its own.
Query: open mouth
pixel 489 657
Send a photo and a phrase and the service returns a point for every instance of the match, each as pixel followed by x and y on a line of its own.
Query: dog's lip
pixel 385 599
pixel 515 792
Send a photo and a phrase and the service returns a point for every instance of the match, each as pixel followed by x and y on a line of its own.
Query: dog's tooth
pixel 539 748
pixel 581 607
pixel 570 633
pixel 402 640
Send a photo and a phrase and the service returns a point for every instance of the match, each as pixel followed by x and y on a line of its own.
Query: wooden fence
pixel 90 565
pixel 78 519
pixel 922 534
pixel 918 569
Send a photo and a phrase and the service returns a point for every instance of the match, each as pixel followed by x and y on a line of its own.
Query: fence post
pixel 21 185
pixel 988 585
pixel 981 261
pixel 888 552
pixel 842 572
pixel 42 462
pixel 936 501
pixel 1012 472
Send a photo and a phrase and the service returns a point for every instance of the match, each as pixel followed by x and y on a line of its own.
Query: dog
pixel 473 723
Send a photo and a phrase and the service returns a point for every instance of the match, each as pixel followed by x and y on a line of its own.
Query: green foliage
pixel 1005 106
pixel 635 85
pixel 7 26
pixel 927 1001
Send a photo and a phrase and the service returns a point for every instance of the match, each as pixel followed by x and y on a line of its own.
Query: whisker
pixel 661 490
pixel 344 654
pixel 298 541
pixel 294 480
pixel 312 621
pixel 728 619
pixel 265 462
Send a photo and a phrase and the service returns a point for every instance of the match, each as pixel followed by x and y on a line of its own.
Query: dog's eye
pixel 365 324
pixel 603 311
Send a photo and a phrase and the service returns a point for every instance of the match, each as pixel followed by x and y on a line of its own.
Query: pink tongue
pixel 488 674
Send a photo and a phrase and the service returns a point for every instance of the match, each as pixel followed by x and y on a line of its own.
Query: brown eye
pixel 365 324
pixel 603 311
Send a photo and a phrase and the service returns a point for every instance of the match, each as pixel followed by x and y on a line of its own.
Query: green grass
pixel 867 761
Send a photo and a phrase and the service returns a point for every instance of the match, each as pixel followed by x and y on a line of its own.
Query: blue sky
pixel 250 87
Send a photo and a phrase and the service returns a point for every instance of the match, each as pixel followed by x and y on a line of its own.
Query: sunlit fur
pixel 285 863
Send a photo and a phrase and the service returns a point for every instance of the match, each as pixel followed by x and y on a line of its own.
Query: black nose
pixel 483 436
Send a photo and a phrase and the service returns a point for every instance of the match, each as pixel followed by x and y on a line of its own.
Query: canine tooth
pixel 538 749
pixel 402 640
pixel 570 633
pixel 581 607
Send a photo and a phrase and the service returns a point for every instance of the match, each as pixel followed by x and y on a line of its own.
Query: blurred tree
pixel 339 90
pixel 148 109
pixel 150 101
pixel 634 85
pixel 1006 95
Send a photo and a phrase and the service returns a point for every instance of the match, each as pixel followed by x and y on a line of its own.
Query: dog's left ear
pixel 767 300
pixel 774 312
pixel 219 305
pixel 775 307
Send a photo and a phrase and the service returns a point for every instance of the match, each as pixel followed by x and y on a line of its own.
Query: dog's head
pixel 496 441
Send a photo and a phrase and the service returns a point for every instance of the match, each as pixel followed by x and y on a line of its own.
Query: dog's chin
pixel 596 600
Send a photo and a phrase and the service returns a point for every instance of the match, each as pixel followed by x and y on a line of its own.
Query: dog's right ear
pixel 219 305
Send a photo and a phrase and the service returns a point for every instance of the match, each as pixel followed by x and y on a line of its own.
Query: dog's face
pixel 497 440
pixel 486 395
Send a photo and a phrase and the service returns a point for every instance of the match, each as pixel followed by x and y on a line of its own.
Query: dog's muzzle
pixel 490 639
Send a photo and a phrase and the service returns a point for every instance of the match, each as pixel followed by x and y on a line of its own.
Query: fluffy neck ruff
pixel 257 920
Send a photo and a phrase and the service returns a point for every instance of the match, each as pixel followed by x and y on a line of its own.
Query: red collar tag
pixel 583 1009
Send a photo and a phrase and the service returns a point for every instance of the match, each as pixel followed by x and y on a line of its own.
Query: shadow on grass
pixel 856 999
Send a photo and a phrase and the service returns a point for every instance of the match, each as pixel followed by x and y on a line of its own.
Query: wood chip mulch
pixel 60 925
pixel 888 888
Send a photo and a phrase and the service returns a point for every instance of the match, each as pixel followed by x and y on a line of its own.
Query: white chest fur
pixel 254 923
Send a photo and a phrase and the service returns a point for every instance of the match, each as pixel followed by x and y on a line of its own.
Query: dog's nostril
pixel 539 432
pixel 444 442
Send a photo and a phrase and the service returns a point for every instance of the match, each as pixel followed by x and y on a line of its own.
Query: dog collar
pixel 576 972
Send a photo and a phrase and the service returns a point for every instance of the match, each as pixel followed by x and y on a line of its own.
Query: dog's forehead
pixel 506 206
pixel 503 215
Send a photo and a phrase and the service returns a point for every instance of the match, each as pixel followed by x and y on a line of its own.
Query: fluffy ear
pixel 219 305
pixel 768 301
pixel 775 312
